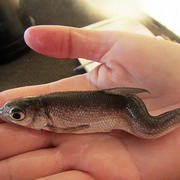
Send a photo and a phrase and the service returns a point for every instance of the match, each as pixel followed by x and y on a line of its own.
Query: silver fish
pixel 78 112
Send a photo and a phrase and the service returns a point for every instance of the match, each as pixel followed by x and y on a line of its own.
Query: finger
pixel 15 140
pixel 102 163
pixel 78 82
pixel 139 60
pixel 33 165
pixel 61 41
pixel 145 62
pixel 103 155
pixel 69 175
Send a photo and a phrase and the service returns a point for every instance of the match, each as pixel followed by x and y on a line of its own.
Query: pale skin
pixel 128 60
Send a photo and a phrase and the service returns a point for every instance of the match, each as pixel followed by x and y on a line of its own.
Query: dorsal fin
pixel 125 91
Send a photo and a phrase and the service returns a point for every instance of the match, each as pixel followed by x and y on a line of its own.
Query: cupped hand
pixel 128 60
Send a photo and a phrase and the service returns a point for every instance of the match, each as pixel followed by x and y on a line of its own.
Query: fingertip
pixel 28 33
pixel 47 40
pixel 32 38
pixel 27 36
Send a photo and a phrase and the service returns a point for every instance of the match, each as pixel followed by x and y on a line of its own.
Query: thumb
pixel 68 42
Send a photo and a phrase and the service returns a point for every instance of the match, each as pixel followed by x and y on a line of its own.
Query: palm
pixel 127 61
pixel 157 73
pixel 122 156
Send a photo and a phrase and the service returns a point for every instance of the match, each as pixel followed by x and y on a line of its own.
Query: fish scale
pixel 94 111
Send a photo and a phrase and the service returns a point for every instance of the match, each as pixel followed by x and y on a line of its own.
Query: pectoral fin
pixel 125 91
pixel 68 129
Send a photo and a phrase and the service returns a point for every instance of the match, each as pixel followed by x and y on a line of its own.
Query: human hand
pixel 128 60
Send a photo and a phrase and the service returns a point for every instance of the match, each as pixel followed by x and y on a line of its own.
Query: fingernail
pixel 32 38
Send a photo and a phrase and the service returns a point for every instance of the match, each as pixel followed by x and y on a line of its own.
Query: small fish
pixel 94 111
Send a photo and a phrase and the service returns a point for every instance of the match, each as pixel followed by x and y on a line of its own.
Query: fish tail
pixel 168 119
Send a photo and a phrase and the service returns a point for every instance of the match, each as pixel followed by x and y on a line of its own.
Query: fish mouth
pixel 1 111
pixel 1 115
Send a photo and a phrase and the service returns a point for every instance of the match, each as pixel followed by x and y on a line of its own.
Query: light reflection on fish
pixel 89 112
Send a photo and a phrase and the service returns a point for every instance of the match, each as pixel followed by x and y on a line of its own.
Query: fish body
pixel 90 112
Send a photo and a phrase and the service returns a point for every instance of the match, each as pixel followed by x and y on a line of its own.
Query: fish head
pixel 20 111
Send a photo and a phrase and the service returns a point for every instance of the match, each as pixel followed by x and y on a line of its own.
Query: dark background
pixel 32 68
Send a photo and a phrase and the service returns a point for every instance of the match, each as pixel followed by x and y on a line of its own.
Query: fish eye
pixel 17 113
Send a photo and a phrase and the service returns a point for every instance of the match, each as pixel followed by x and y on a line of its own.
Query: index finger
pixel 74 83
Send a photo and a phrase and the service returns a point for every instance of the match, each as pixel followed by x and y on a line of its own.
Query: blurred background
pixel 20 66
pixel 166 12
